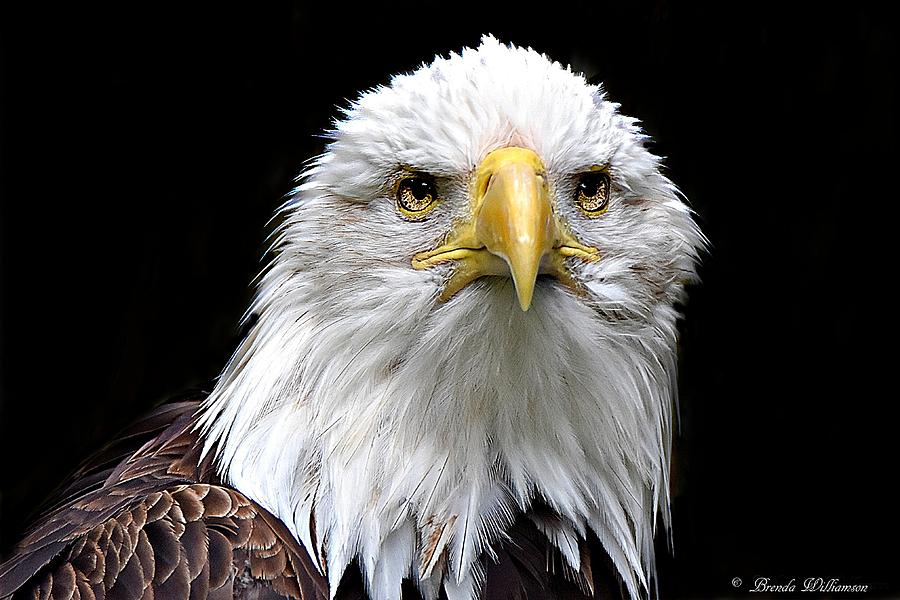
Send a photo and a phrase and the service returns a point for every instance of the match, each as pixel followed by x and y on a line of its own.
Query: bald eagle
pixel 459 383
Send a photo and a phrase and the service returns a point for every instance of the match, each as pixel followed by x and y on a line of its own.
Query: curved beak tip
pixel 524 302
pixel 524 278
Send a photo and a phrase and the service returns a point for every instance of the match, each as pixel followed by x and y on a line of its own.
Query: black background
pixel 145 145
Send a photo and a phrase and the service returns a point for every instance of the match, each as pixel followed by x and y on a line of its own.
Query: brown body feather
pixel 147 519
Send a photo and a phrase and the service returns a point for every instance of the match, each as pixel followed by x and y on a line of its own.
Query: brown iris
pixel 415 195
pixel 592 193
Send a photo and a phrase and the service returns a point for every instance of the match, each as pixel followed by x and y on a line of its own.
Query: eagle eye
pixel 592 193
pixel 415 195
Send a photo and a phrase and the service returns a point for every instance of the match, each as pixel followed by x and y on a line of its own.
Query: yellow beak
pixel 513 216
pixel 513 229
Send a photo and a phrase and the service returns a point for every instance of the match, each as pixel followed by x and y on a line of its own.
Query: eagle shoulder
pixel 147 518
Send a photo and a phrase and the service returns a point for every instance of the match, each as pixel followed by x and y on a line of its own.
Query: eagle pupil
pixel 588 186
pixel 420 189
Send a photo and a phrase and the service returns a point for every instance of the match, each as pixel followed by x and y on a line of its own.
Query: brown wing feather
pixel 145 518
pixel 528 567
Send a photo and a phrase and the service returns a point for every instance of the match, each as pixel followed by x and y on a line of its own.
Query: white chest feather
pixel 412 443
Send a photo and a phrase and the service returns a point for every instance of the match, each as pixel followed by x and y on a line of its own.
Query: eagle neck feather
pixel 413 444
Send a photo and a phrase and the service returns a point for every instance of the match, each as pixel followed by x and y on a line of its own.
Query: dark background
pixel 145 145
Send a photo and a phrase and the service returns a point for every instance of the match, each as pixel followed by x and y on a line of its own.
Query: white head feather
pixel 381 424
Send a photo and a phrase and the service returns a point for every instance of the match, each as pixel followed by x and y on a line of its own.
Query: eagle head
pixel 471 311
